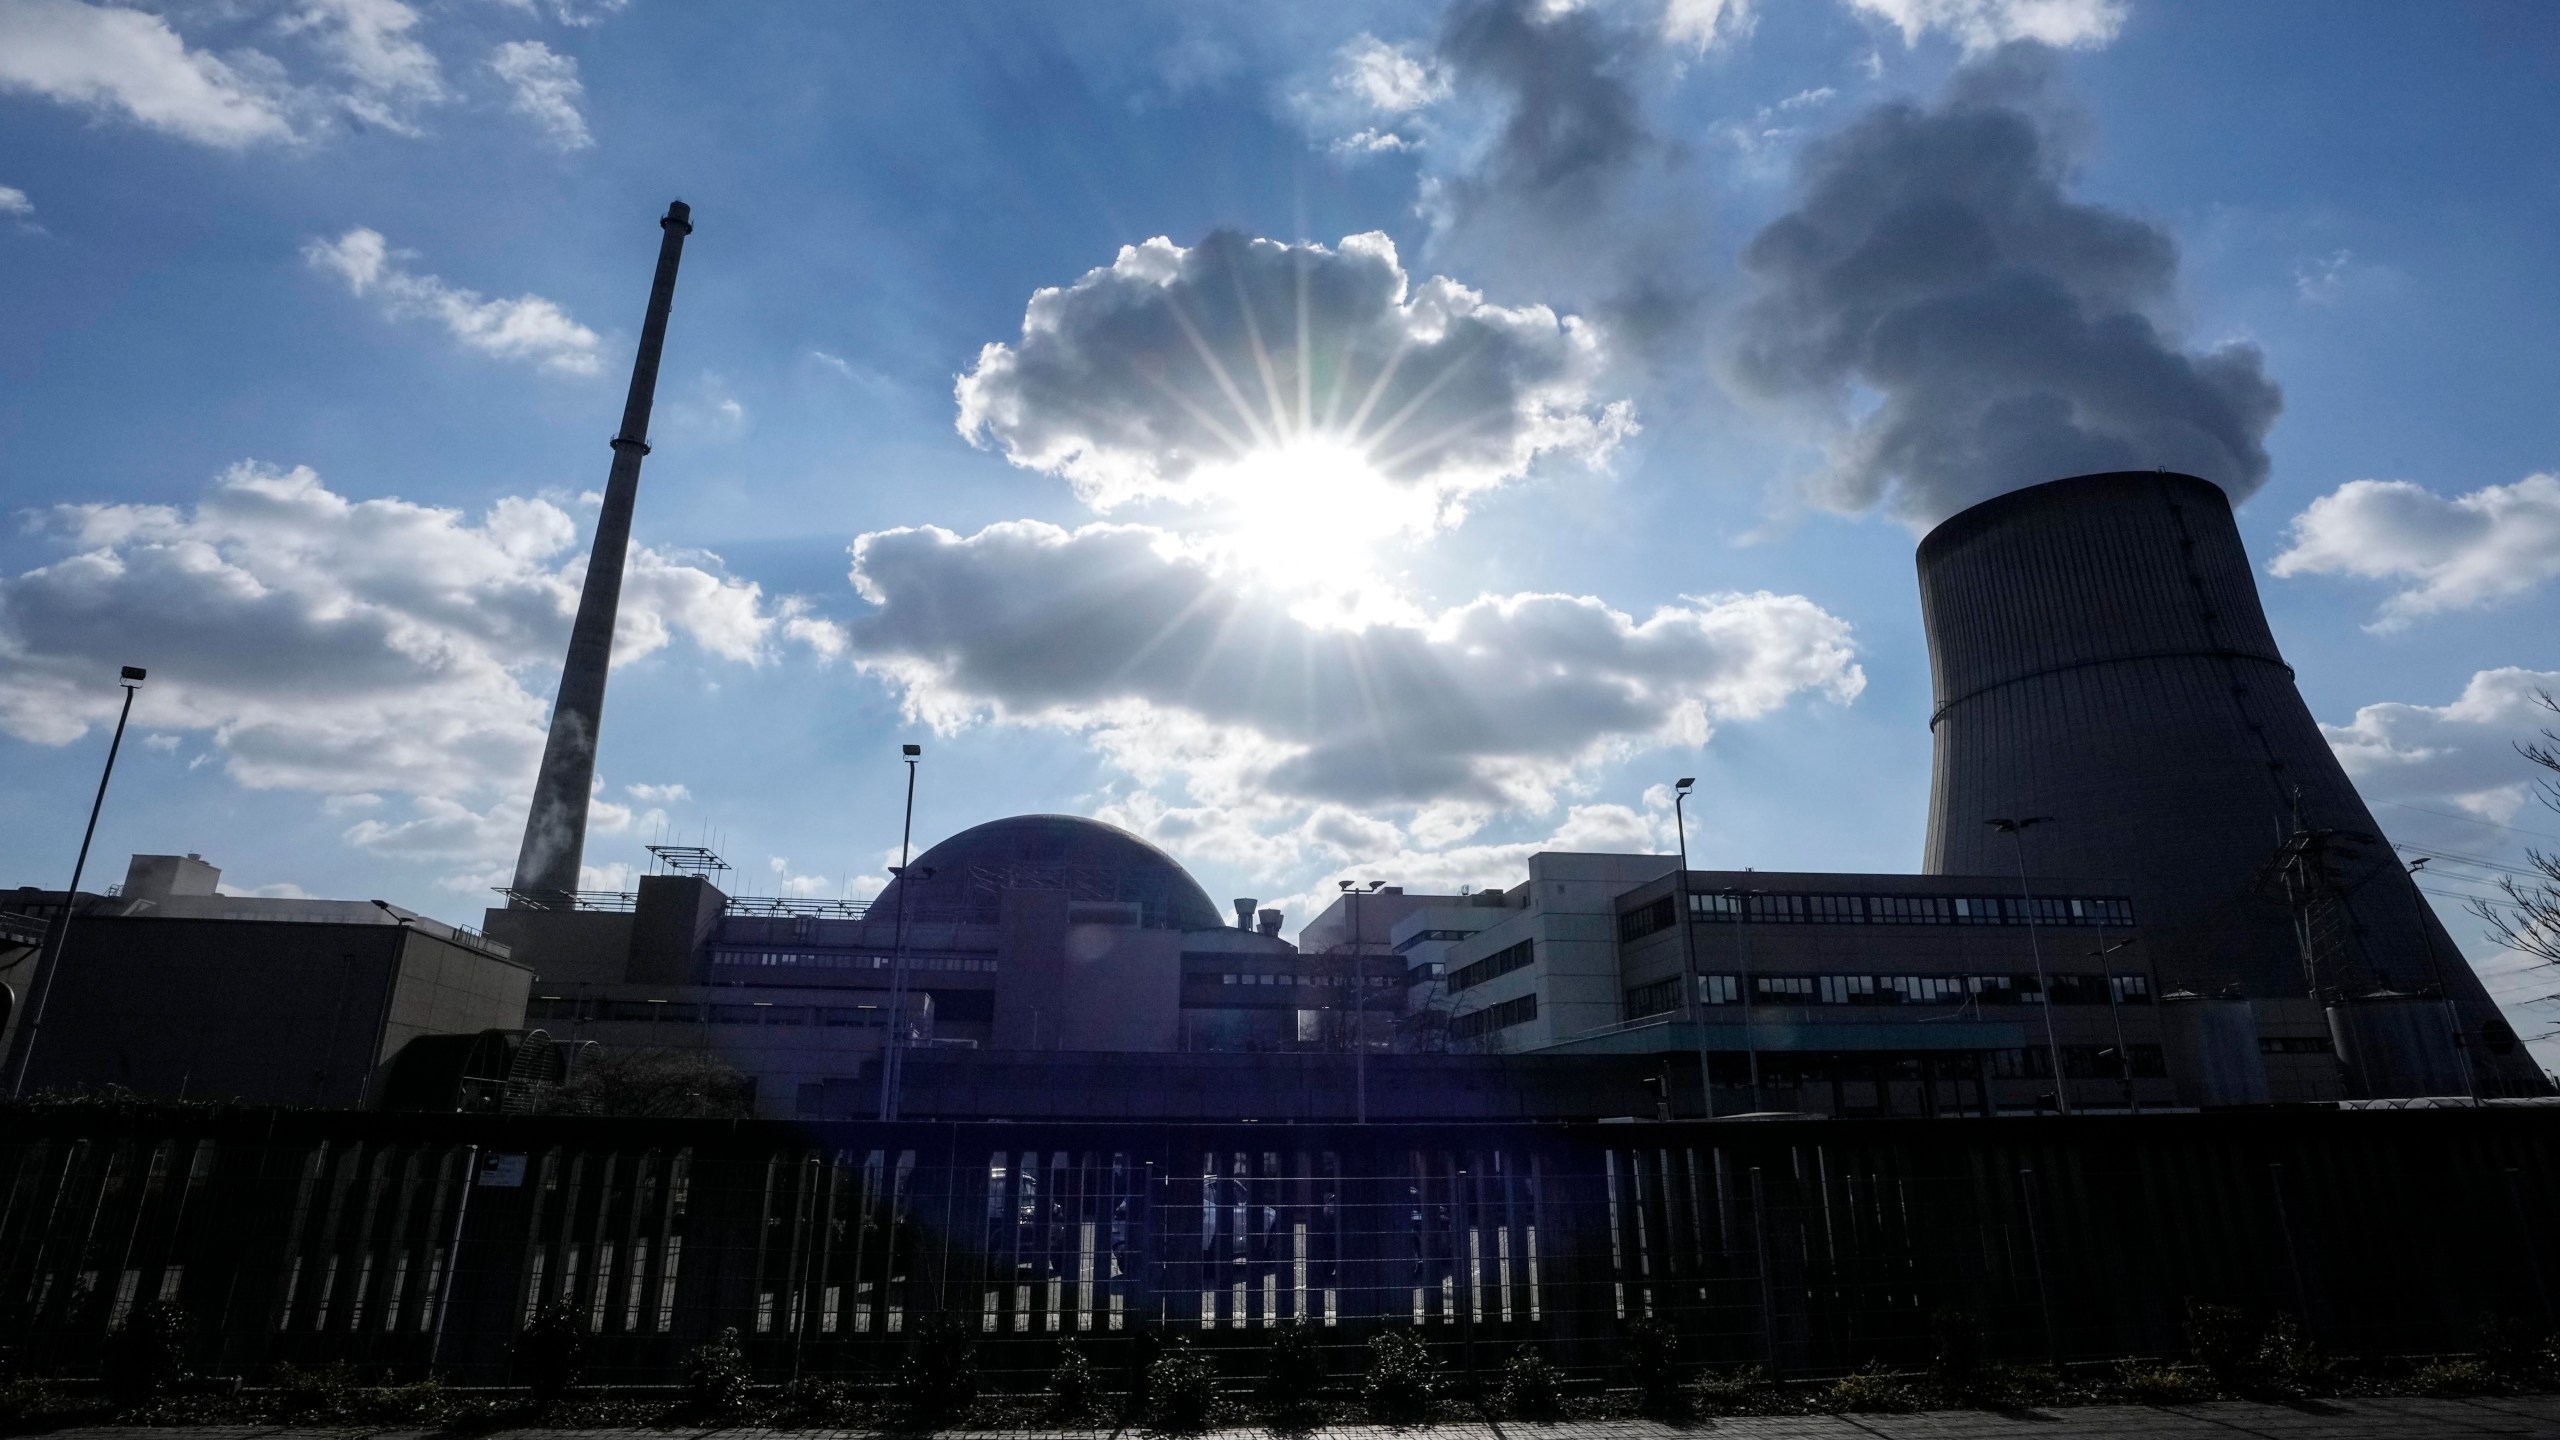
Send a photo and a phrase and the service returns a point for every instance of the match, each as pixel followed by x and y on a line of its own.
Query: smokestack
pixel 1270 923
pixel 555 829
pixel 1244 912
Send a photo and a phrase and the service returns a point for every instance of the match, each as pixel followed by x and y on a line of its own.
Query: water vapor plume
pixel 1968 327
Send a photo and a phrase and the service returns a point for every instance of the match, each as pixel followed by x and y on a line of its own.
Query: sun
pixel 1313 512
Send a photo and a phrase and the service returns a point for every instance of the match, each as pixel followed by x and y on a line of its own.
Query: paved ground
pixel 2217 1420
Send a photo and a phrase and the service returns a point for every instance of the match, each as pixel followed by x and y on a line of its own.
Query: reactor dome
pixel 1086 858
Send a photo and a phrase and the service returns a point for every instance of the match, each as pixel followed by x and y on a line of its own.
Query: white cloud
pixel 1982 24
pixel 570 12
pixel 1701 24
pixel 391 72
pixel 2493 544
pixel 545 89
pixel 1175 670
pixel 353 648
pixel 2322 281
pixel 527 327
pixel 2460 755
pixel 1153 377
pixel 1387 79
pixel 658 794
pixel 14 202
pixel 113 59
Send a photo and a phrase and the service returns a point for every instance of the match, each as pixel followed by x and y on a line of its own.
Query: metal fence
pixel 409 1244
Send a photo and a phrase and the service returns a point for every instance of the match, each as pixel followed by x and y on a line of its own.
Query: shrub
pixel 549 1350
pixel 1073 1385
pixel 147 1354
pixel 1869 1389
pixel 813 1403
pixel 2516 1349
pixel 424 1403
pixel 22 1396
pixel 1733 1391
pixel 1403 1381
pixel 1653 1363
pixel 2287 1360
pixel 1182 1389
pixel 323 1392
pixel 1529 1389
pixel 1293 1369
pixel 2222 1340
pixel 2455 1377
pixel 716 1378
pixel 1955 1362
pixel 2148 1382
pixel 940 1377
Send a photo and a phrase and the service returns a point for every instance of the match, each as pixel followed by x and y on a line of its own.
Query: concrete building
pixel 169 987
pixel 2102 665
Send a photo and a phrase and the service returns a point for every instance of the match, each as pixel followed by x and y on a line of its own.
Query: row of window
pixel 557 1008
pixel 1500 1016
pixel 1421 937
pixel 847 960
pixel 1777 909
pixel 2080 1062
pixel 1500 962
pixel 1231 977
pixel 1664 995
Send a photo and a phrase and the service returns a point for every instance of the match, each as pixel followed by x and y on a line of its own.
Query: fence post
pixel 2035 1251
pixel 2532 1252
pixel 1760 1244
pixel 2292 1256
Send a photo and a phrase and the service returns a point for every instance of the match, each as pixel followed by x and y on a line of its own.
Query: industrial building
pixel 168 987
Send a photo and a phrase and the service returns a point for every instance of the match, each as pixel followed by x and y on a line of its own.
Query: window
pixel 1653 999
pixel 1500 962
pixel 1835 909
pixel 1719 989
pixel 1719 906
pixel 2293 1045
pixel 1422 937
pixel 1646 919
pixel 1500 1016
pixel 1765 908
pixel 2132 989
pixel 1785 989
pixel 2078 989
pixel 1848 989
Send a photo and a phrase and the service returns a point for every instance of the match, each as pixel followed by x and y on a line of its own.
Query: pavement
pixel 2392 1419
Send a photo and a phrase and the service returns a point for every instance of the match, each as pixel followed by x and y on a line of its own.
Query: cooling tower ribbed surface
pixel 2100 657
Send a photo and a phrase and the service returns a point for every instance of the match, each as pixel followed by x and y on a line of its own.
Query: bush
pixel 549 1350
pixel 1529 1388
pixel 147 1354
pixel 1182 1389
pixel 1868 1389
pixel 716 1378
pixel 1653 1364
pixel 1955 1338
pixel 1293 1369
pixel 939 1380
pixel 323 1392
pixel 1403 1382
pixel 424 1403
pixel 2221 1339
pixel 816 1404
pixel 2148 1382
pixel 2455 1377
pixel 2287 1361
pixel 1073 1385
pixel 2516 1349
pixel 1734 1391
pixel 22 1396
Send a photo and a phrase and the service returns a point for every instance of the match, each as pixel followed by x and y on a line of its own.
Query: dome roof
pixel 1086 858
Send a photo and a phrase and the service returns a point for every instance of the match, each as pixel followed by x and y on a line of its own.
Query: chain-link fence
pixel 409 1245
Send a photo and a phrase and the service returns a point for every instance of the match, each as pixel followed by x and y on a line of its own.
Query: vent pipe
pixel 1270 922
pixel 555 828
pixel 1244 912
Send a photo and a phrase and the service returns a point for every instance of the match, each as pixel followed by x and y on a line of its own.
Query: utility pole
pixel 59 933
pixel 1690 979
pixel 1359 1009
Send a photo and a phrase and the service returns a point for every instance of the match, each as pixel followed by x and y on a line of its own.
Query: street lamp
pixel 2016 830
pixel 1689 949
pixel 892 1065
pixel 1359 1007
pixel 2115 1012
pixel 42 987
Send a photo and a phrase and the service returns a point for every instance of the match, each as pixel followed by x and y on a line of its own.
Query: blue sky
pixel 318 313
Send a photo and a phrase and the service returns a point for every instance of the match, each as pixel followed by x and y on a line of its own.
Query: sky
pixel 1333 441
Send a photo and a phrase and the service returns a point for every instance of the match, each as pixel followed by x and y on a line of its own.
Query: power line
pixel 2469 819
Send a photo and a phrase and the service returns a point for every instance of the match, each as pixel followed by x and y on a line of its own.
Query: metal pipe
pixel 555 826
pixel 60 931
pixel 892 1064
pixel 1689 977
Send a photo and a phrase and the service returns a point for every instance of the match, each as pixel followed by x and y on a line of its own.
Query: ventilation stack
pixel 2100 657
pixel 555 828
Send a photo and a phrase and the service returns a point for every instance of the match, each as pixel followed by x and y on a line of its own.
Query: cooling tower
pixel 2100 657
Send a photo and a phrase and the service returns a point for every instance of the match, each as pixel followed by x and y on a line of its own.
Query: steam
pixel 2004 333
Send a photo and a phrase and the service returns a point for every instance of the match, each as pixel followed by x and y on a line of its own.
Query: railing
pixel 419 1243
pixel 752 906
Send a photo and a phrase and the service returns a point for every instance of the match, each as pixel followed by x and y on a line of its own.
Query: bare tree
pixel 661 1084
pixel 2528 919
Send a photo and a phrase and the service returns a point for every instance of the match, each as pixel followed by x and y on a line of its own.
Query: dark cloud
pixel 1575 196
pixel 2010 333
pixel 1490 702
pixel 1144 377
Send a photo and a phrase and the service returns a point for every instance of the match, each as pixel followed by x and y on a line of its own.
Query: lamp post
pixel 891 1063
pixel 1689 977
pixel 2016 830
pixel 2115 1012
pixel 1359 1009
pixel 42 987
pixel 2435 967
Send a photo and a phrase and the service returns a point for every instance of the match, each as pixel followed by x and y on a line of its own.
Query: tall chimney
pixel 555 829
pixel 1244 912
